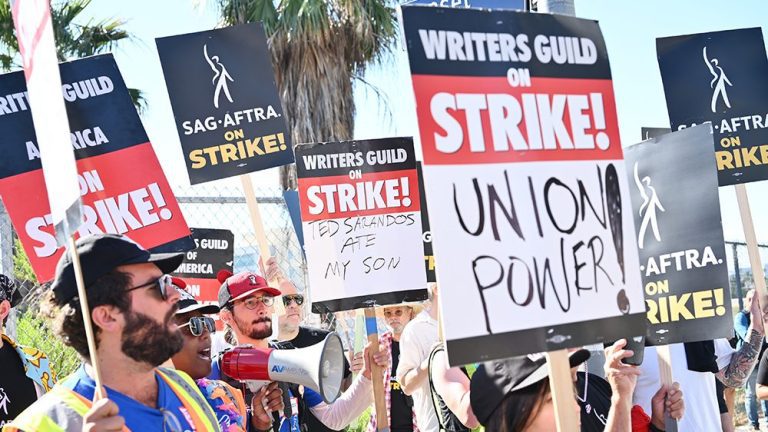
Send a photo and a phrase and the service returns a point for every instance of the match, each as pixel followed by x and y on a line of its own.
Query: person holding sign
pixel 27 373
pixel 132 305
pixel 514 395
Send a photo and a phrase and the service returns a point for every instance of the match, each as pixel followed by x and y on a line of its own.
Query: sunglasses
pixel 396 312
pixel 164 285
pixel 298 298
pixel 197 324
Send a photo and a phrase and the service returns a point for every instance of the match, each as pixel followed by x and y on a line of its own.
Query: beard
pixel 245 328
pixel 145 340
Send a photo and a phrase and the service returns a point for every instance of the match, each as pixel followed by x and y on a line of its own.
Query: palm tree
pixel 73 40
pixel 319 47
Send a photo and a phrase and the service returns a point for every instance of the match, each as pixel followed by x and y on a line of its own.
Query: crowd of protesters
pixel 161 372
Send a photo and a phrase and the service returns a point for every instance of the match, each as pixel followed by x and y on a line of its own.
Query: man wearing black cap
pixel 27 373
pixel 132 304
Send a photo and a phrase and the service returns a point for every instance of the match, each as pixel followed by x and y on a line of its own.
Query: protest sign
pixel 225 102
pixel 214 251
pixel 680 237
pixel 362 223
pixel 123 188
pixel 34 32
pixel 720 77
pixel 426 236
pixel 535 242
pixel 291 198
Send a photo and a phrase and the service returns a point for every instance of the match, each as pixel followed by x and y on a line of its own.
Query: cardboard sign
pixel 225 102
pixel 466 4
pixel 680 237
pixel 720 77
pixel 361 218
pixel 214 251
pixel 426 236
pixel 523 164
pixel 34 32
pixel 291 198
pixel 123 188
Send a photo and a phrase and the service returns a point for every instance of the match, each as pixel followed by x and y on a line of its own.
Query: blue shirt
pixel 138 417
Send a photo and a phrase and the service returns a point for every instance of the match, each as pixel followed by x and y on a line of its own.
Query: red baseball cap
pixel 244 284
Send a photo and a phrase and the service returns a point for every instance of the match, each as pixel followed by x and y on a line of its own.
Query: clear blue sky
pixel 629 27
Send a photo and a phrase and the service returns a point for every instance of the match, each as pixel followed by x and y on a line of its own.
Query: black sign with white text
pixel 720 77
pixel 680 237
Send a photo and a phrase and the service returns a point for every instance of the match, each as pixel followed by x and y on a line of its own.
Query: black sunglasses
pixel 164 284
pixel 298 298
pixel 197 324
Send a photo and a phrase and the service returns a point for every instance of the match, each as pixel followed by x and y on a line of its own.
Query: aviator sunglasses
pixel 196 325
pixel 298 298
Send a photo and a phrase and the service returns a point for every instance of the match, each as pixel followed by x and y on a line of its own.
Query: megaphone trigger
pixel 319 367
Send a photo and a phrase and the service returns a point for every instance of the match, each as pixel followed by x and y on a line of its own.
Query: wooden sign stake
pixel 561 386
pixel 666 378
pixel 261 236
pixel 752 249
pixel 88 324
pixel 377 373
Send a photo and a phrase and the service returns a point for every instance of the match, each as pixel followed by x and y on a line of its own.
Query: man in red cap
pixel 246 301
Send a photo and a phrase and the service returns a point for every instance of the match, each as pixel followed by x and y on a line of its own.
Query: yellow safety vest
pixel 62 409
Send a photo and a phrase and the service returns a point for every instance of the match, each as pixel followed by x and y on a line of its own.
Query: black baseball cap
pixel 188 303
pixel 99 255
pixel 494 380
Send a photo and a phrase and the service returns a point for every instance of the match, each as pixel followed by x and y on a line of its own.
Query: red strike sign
pixel 372 194
pixel 486 120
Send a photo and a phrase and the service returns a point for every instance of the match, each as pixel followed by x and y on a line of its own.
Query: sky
pixel 629 28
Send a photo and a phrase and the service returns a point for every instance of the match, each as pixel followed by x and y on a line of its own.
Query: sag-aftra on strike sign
pixel 523 165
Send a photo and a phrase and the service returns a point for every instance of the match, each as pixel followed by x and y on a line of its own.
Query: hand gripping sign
pixel 122 185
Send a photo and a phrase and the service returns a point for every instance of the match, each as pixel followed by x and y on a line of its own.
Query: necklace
pixel 583 399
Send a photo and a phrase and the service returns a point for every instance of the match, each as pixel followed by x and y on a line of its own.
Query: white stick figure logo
pixel 651 203
pixel 4 401
pixel 220 77
pixel 718 83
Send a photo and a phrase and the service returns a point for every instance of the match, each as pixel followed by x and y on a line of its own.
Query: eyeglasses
pixel 396 312
pixel 298 298
pixel 197 324
pixel 253 302
pixel 164 285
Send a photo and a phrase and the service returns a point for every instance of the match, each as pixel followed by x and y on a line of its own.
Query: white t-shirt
pixel 702 413
pixel 417 339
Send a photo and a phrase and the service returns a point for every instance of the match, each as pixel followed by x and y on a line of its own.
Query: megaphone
pixel 319 367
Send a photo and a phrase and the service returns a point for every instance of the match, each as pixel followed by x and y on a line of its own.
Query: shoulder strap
pixel 432 392
pixel 190 396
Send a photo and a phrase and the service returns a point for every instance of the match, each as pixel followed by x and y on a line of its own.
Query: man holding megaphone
pixel 246 301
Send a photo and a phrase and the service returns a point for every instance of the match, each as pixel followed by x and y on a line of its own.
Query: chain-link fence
pixel 740 271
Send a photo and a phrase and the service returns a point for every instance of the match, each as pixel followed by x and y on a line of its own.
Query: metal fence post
pixel 6 242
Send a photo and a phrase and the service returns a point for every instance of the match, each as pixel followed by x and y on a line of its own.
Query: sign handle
pixel 665 376
pixel 99 393
pixel 561 387
pixel 258 229
pixel 751 239
pixel 377 374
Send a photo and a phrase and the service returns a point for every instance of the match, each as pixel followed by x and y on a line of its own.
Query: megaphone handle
pixel 377 374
